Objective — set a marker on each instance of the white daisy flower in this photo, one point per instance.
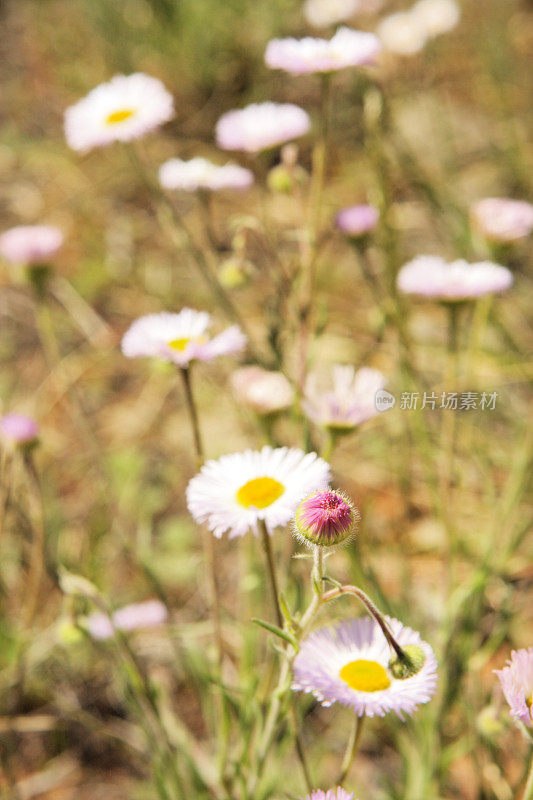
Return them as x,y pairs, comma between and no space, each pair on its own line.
351,663
125,108
402,33
351,402
199,173
180,338
235,492
347,48
432,276
261,126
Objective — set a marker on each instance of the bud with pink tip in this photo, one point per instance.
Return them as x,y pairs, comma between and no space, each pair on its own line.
357,221
19,429
326,518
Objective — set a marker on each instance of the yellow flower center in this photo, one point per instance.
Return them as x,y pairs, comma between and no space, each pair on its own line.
181,344
365,676
260,492
119,116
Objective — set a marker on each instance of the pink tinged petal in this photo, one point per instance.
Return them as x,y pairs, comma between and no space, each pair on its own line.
19,428
30,244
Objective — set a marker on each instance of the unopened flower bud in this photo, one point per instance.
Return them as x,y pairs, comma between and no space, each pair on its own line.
403,668
326,518
234,273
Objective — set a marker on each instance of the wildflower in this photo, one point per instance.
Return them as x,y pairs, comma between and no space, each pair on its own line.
349,664
180,338
516,680
432,276
260,126
351,402
199,173
437,16
502,220
356,221
326,518
263,391
149,614
332,794
125,108
347,48
30,244
402,33
237,491
18,428
322,13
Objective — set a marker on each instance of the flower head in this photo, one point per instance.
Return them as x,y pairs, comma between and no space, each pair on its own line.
322,13
432,276
301,56
351,402
261,126
402,33
149,614
356,221
349,664
326,518
263,391
199,173
18,428
236,492
332,794
437,16
516,679
125,108
30,244
180,338
503,220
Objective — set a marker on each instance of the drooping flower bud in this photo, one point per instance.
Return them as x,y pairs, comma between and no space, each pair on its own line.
326,518
401,669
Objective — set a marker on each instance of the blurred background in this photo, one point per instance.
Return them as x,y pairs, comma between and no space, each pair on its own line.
115,452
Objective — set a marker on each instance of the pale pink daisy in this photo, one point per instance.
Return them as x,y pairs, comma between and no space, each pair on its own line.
260,126
432,276
263,391
199,173
502,220
180,338
351,663
326,518
347,48
18,428
351,402
236,492
436,16
402,33
148,614
30,244
332,794
357,221
125,108
516,679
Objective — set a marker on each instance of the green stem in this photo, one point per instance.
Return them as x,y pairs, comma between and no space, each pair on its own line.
271,568
528,791
185,373
351,748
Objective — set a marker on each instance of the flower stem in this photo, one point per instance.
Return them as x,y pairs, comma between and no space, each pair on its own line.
271,568
373,610
185,373
528,791
351,748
